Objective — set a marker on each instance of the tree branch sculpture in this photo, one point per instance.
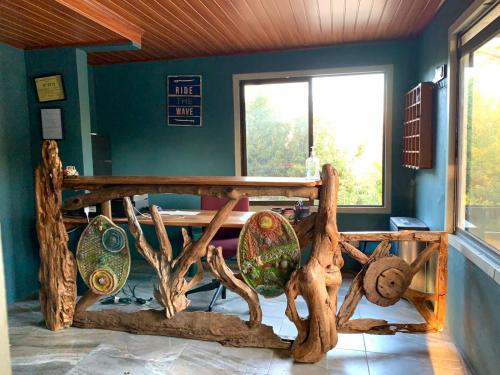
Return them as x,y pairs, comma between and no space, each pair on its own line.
384,279
215,261
319,280
57,272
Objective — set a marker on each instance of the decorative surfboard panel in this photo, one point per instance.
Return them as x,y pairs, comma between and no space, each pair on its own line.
268,253
103,256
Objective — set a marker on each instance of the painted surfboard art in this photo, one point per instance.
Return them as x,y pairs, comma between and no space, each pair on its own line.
268,253
103,256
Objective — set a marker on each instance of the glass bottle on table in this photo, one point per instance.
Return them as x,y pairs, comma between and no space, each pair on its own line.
312,166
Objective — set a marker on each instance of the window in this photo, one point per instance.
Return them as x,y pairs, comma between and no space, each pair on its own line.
478,198
342,115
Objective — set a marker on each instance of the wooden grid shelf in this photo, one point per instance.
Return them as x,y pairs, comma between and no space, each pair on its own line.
417,127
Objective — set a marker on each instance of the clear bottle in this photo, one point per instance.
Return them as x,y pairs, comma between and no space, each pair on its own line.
312,166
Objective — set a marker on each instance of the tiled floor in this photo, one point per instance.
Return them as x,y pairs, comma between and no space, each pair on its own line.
36,350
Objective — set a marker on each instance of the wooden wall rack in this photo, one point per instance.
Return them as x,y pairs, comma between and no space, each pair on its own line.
383,279
417,127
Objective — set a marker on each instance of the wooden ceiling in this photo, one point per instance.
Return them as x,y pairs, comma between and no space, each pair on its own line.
172,29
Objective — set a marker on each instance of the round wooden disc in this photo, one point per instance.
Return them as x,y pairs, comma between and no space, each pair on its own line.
390,283
386,280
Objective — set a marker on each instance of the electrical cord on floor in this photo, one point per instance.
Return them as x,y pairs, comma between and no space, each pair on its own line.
130,297
115,299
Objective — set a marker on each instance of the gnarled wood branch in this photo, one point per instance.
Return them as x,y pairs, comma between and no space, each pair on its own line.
57,272
159,260
305,230
172,272
318,281
356,290
354,252
218,266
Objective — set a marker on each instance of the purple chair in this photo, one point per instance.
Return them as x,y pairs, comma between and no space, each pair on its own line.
227,238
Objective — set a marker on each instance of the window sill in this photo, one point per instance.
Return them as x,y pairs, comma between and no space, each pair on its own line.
483,258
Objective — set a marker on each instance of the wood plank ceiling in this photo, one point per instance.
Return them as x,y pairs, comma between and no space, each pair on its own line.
190,28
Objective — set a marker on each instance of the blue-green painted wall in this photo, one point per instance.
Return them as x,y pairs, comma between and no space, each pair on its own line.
131,107
472,314
20,253
473,297
430,185
76,148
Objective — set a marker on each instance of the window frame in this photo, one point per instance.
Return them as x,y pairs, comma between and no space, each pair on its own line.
307,75
474,31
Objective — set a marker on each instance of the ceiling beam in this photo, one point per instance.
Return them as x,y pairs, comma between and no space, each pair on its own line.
98,13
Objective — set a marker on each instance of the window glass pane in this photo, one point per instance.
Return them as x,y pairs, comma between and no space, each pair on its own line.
277,130
480,179
348,128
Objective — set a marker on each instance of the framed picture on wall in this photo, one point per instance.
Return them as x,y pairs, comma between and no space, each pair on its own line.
184,100
49,88
52,123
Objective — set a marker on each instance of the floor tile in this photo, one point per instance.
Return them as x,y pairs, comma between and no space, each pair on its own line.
338,361
432,344
412,364
351,341
105,360
207,356
36,350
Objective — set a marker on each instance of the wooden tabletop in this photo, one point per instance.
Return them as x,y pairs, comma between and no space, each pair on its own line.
236,219
191,180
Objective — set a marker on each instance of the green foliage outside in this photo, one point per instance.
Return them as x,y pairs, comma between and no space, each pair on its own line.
482,125
276,148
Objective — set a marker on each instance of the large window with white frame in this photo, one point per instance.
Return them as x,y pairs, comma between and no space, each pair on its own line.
478,198
342,114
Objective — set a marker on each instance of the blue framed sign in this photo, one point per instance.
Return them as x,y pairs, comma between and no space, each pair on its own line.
184,100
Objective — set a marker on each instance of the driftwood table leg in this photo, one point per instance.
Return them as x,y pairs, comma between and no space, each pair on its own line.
57,264
319,280
171,272
218,266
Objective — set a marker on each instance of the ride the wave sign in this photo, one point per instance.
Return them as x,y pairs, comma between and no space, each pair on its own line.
184,100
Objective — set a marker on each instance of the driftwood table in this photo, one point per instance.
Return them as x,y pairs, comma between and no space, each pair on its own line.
383,278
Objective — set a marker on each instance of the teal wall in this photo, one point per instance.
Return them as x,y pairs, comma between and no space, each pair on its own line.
76,148
473,296
131,108
430,185
20,254
472,314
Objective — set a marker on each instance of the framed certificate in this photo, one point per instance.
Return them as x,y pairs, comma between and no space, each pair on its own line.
49,88
52,124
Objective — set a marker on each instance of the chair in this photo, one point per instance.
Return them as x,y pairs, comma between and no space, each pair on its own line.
227,238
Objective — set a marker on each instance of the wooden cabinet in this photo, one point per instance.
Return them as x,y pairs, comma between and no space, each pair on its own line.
417,127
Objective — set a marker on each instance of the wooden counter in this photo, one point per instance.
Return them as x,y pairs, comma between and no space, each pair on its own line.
90,182
235,219
106,188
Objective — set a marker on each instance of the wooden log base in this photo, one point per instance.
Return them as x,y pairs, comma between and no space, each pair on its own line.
225,329
382,327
